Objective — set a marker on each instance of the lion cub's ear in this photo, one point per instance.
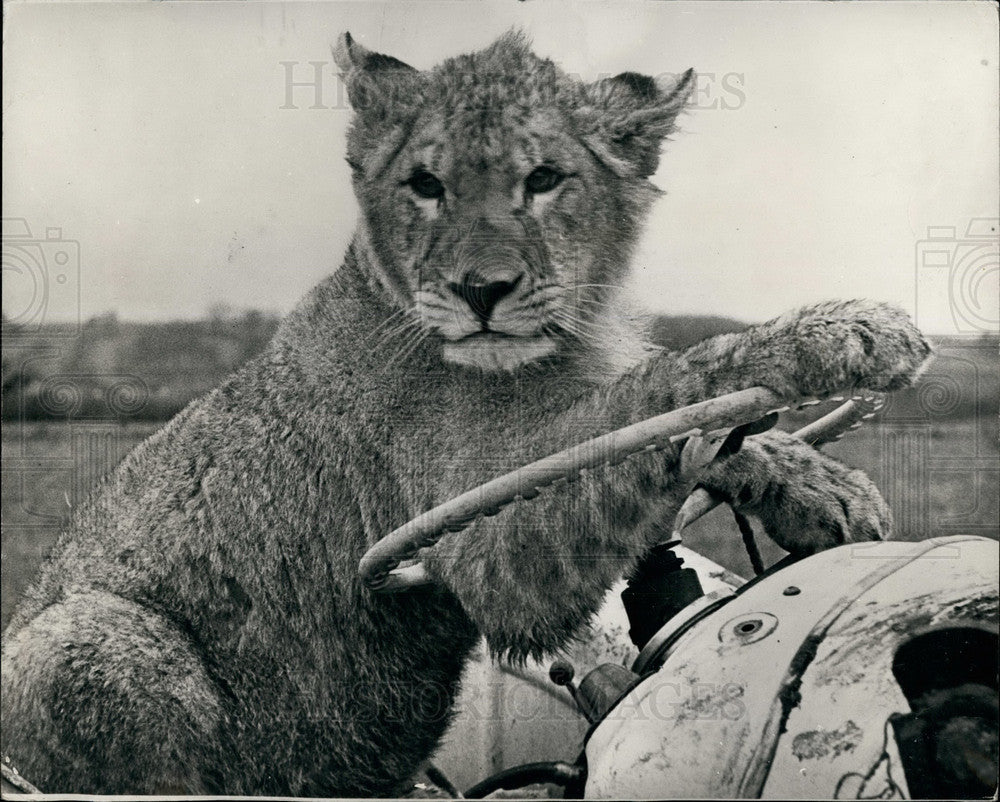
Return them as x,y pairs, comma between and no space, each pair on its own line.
627,117
375,82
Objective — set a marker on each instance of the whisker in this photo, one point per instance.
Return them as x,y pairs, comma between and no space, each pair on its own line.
580,316
407,350
391,319
406,329
395,331
584,319
390,328
598,308
573,326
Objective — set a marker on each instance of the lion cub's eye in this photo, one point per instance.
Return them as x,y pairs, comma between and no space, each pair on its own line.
542,179
426,185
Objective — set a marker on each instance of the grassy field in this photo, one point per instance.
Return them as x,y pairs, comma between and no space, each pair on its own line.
933,451
47,467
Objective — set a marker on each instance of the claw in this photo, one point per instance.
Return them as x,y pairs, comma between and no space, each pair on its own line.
699,451
695,505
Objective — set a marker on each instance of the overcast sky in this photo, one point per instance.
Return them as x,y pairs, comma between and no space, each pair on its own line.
827,139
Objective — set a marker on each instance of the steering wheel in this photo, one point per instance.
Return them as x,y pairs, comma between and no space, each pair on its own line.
699,430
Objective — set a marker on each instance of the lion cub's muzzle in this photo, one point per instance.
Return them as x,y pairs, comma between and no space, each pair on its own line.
490,300
483,296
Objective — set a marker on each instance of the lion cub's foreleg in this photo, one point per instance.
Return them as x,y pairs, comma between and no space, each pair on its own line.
532,576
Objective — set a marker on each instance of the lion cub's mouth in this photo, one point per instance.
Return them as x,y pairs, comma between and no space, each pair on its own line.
496,351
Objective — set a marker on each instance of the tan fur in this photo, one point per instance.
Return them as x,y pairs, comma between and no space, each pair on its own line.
201,624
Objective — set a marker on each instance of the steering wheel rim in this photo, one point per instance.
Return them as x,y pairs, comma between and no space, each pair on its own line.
380,566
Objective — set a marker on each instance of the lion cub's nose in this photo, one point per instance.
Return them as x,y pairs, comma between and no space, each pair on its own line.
482,297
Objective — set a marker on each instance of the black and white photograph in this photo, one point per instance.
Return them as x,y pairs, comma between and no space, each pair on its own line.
507,399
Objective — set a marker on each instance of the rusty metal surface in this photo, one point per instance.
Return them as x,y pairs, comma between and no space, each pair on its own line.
721,717
838,742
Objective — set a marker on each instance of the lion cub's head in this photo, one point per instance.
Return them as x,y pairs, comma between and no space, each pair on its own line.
499,196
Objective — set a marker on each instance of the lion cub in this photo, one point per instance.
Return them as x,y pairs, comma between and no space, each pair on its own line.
201,626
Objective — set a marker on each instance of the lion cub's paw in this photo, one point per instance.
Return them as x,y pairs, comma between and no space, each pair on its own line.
853,344
806,501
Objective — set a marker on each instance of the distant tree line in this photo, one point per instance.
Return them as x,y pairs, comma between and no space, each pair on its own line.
111,369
